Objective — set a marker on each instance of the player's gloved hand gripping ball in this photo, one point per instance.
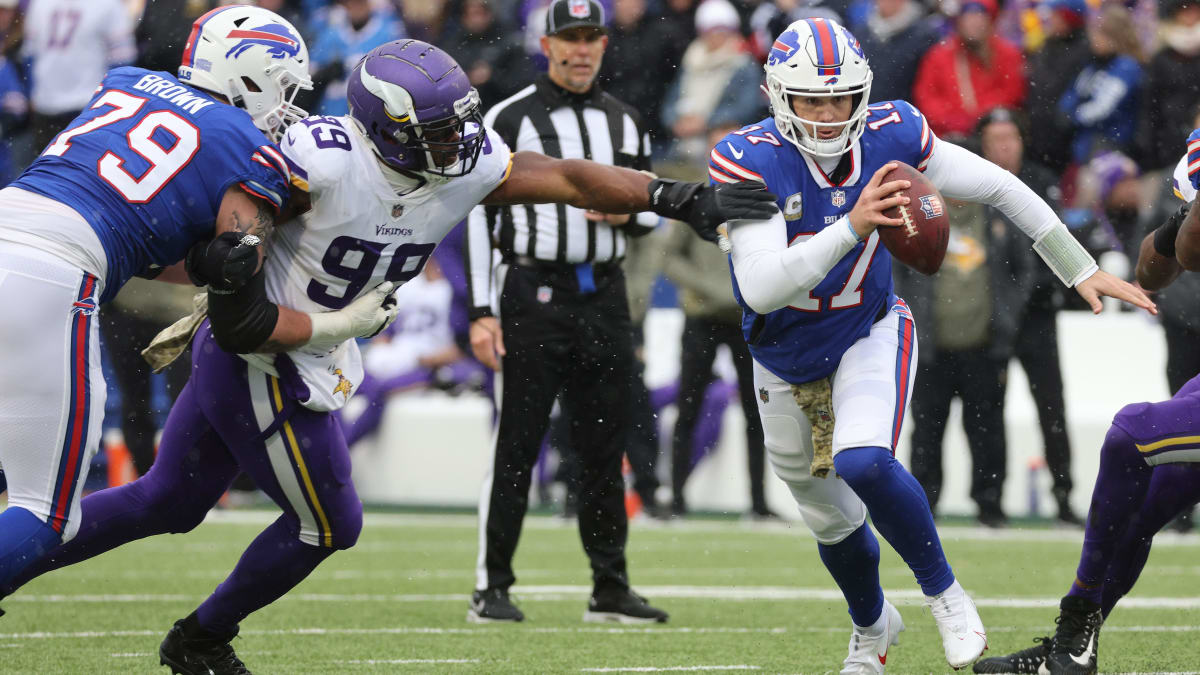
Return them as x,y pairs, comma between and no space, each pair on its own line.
704,207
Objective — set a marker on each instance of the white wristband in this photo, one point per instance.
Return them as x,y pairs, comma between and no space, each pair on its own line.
1065,256
330,327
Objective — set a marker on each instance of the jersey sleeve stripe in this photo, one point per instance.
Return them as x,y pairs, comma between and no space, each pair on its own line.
261,192
261,160
1193,145
720,177
732,168
277,158
1193,166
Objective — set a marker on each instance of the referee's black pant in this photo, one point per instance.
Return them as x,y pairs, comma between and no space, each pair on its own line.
567,331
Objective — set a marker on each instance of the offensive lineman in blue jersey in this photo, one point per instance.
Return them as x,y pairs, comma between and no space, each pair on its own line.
135,183
833,345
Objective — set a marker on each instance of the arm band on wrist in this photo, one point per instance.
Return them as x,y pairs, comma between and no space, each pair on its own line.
1065,256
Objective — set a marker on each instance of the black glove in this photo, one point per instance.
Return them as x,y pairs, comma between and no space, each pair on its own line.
225,263
1164,236
704,207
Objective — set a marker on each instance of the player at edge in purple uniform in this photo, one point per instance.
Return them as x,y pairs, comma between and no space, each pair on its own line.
414,156
833,346
1148,471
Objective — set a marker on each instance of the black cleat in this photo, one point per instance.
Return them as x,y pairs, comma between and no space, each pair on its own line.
189,650
493,605
1077,641
1024,662
622,606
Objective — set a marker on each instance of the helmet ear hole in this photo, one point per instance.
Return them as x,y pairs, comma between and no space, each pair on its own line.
250,85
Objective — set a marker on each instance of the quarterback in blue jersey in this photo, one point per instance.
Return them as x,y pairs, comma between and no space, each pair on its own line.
156,169
833,346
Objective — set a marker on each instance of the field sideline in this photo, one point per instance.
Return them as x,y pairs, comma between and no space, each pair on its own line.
743,598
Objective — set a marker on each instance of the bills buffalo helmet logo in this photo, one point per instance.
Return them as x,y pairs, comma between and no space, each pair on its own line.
931,206
784,46
279,41
579,9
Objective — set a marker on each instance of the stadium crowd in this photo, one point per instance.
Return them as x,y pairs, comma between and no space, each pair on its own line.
1087,101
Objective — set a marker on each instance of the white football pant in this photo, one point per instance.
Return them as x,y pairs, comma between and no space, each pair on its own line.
871,389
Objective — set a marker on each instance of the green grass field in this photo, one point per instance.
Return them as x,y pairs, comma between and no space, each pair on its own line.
742,598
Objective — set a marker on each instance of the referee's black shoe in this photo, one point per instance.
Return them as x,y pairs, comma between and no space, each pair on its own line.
190,650
492,606
621,605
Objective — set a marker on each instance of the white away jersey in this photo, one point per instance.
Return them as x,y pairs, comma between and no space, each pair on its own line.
359,233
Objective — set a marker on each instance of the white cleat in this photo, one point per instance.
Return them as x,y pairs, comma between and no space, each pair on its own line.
869,646
963,635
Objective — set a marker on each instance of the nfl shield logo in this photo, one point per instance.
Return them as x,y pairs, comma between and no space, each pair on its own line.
543,294
397,210
764,395
838,198
580,9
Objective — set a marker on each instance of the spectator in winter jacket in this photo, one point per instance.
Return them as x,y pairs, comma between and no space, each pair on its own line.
1052,69
1100,107
1172,87
895,36
970,72
641,60
493,60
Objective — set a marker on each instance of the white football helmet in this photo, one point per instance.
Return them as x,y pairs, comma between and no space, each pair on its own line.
252,57
817,57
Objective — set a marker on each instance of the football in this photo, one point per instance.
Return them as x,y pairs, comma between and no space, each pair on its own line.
921,241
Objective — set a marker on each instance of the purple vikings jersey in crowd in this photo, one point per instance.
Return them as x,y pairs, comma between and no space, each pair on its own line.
805,342
147,163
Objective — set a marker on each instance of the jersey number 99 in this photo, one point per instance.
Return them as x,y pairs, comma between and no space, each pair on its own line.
354,261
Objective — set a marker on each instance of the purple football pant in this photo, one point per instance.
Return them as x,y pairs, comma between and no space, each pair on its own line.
232,417
1148,474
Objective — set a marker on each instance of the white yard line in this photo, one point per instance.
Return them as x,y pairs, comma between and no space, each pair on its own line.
550,593
469,522
669,669
567,630
401,662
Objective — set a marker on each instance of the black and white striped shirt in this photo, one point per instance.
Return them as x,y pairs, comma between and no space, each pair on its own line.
547,119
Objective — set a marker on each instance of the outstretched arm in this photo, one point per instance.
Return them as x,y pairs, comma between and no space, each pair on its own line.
537,179
961,174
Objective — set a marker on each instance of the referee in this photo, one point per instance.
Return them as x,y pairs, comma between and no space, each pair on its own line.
564,325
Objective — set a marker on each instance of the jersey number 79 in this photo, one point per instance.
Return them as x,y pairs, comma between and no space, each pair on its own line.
164,162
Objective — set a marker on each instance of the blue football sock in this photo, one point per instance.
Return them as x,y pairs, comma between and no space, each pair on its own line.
24,539
899,511
854,564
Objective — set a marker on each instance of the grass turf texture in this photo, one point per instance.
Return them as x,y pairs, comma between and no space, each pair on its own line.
748,599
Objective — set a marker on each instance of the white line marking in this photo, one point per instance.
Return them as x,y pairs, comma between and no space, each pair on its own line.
615,630
786,528
671,668
552,593
397,662
130,655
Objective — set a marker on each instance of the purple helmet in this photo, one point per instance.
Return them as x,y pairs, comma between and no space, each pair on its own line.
417,107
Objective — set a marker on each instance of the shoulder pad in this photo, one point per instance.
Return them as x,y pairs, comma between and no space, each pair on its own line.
318,151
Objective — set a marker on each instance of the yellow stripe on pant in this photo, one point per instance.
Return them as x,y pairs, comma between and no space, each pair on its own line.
289,439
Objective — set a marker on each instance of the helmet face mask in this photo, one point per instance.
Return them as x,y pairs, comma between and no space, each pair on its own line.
416,106
252,57
818,58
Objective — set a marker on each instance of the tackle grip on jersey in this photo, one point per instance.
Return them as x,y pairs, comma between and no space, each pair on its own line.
224,263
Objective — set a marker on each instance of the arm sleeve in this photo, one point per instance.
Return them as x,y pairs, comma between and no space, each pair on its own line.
770,274
961,174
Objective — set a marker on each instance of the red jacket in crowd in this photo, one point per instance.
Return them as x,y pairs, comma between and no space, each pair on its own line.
954,88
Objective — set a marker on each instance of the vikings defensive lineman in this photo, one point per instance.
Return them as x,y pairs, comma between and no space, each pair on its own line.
833,346
386,184
132,184
1149,471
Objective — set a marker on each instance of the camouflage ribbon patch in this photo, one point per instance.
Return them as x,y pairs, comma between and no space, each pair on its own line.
816,400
